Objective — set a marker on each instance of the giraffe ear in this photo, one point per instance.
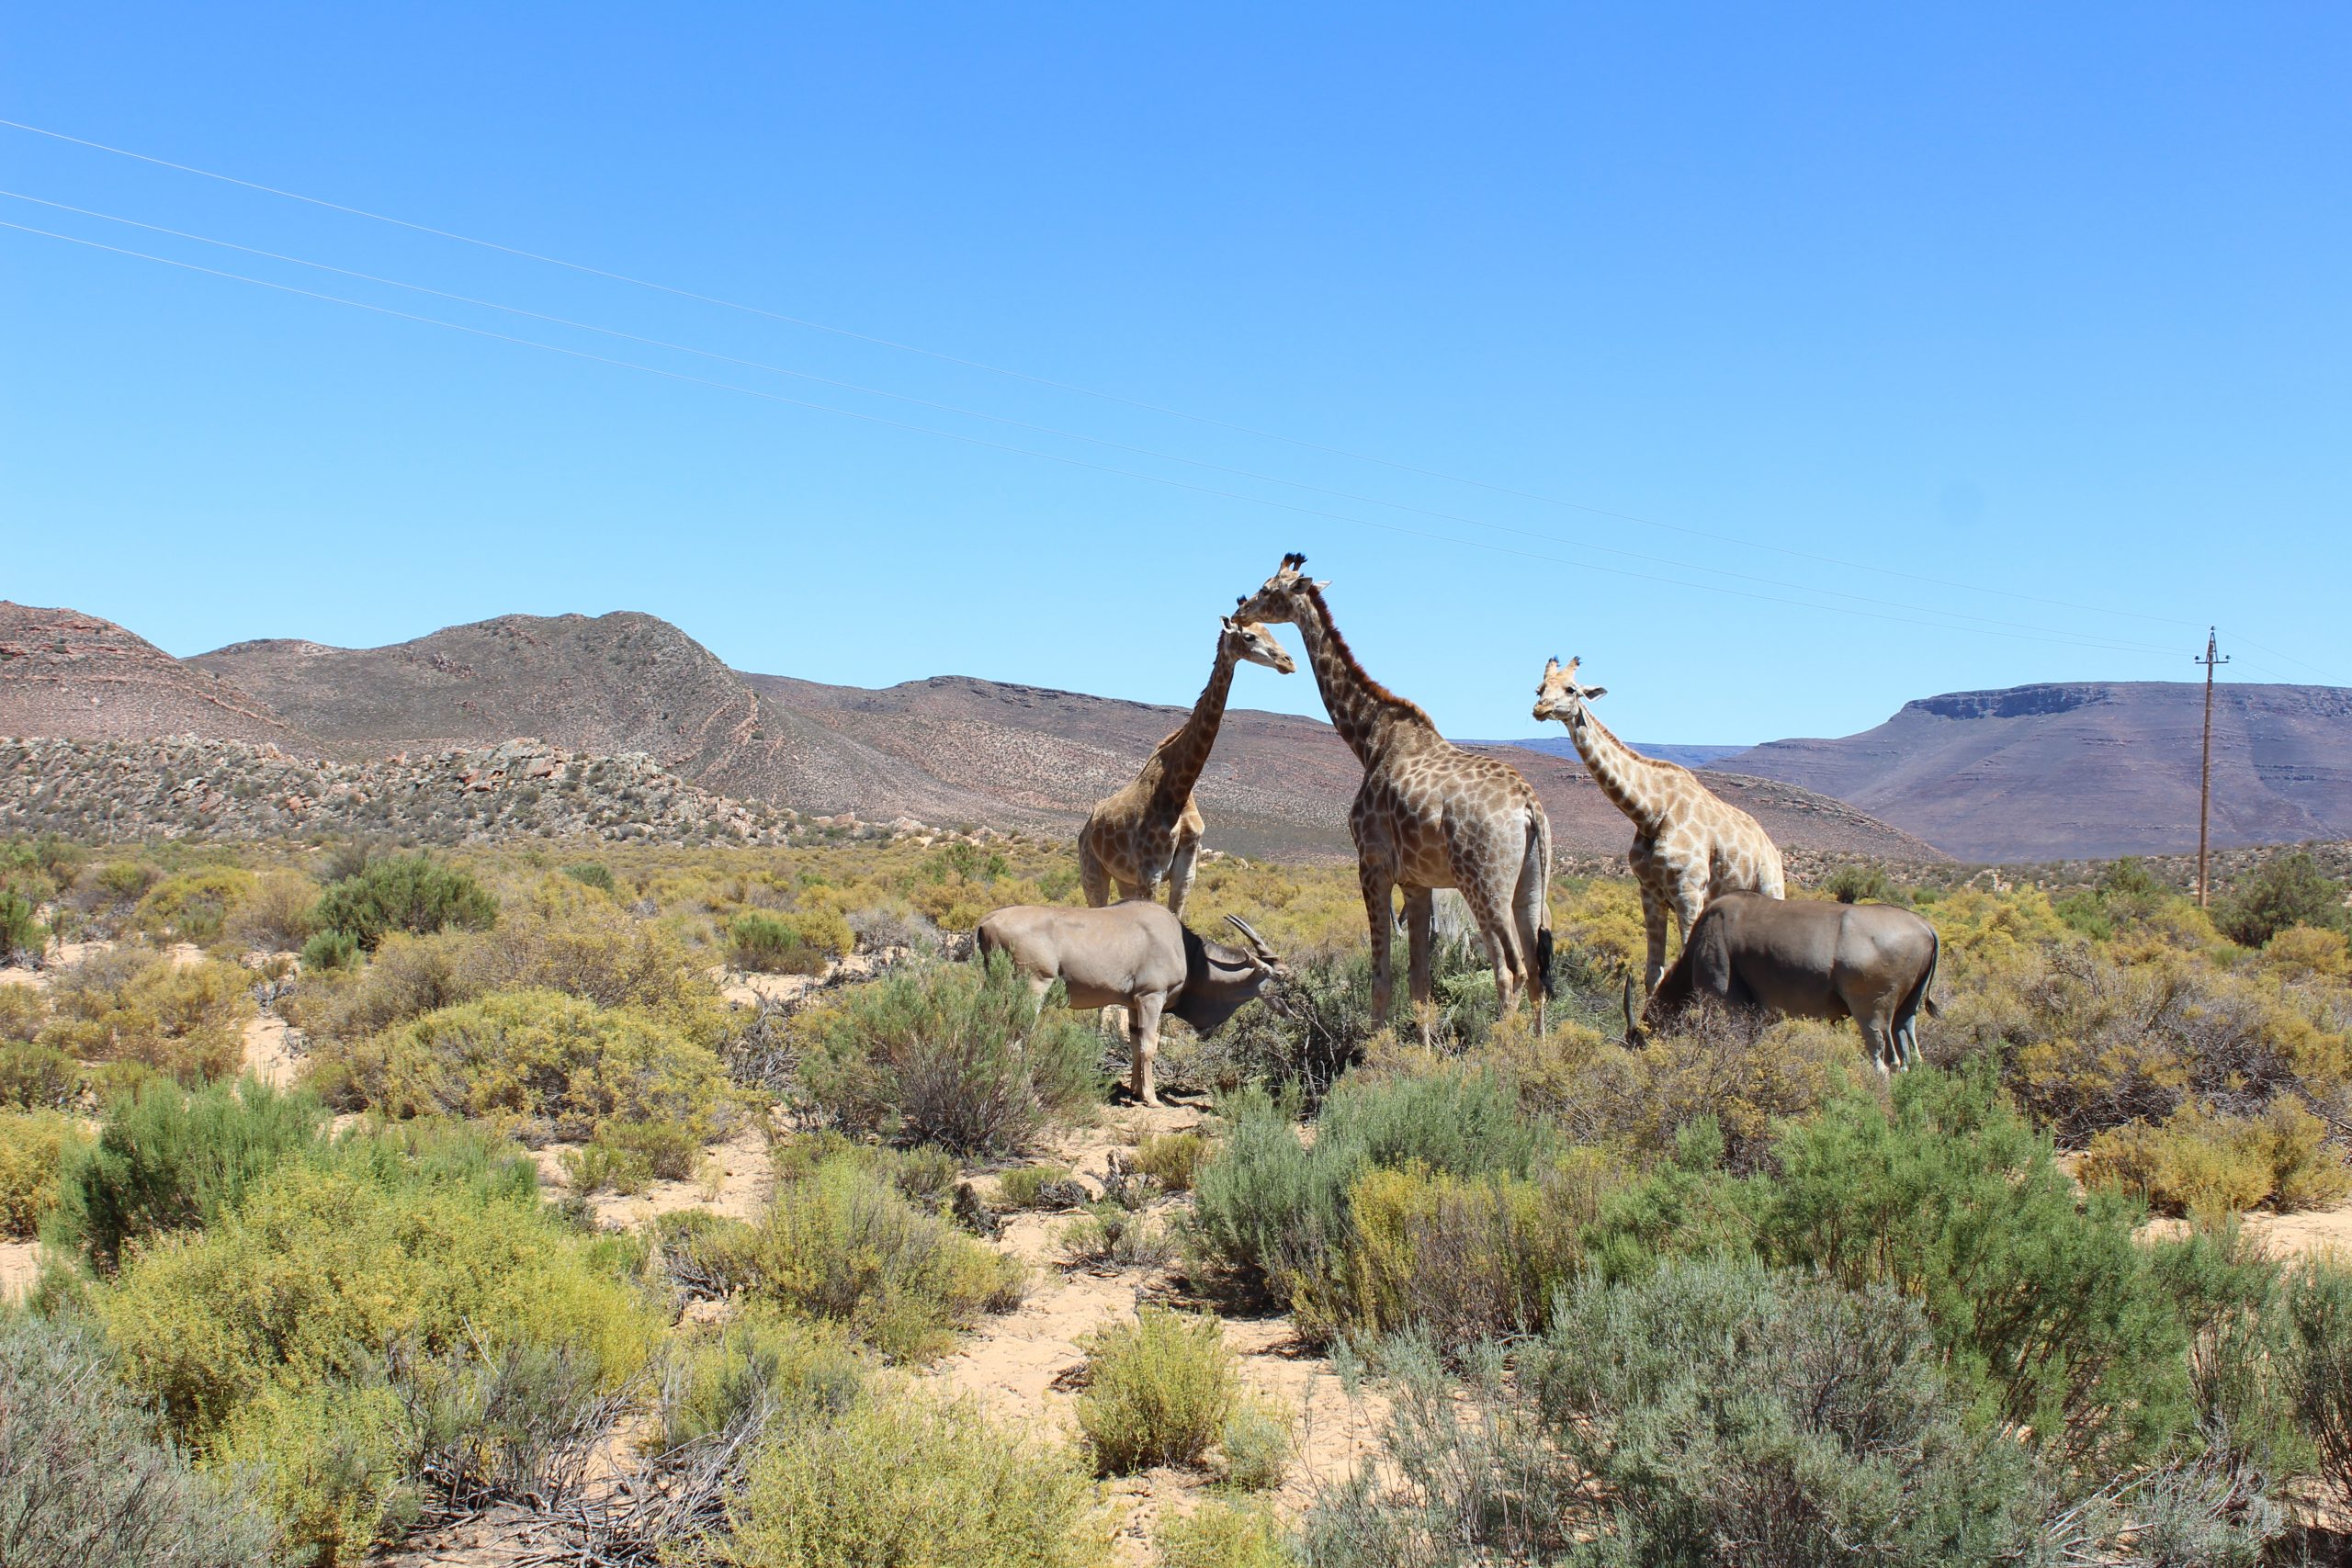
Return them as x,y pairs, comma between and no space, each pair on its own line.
1592,691
1227,621
1322,585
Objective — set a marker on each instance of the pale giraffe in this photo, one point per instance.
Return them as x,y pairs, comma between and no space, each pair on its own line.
1151,830
1688,845
1428,814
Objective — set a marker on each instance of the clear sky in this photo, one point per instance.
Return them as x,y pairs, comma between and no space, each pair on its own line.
2046,307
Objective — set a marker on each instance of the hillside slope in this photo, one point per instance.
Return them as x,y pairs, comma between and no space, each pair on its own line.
946,751
78,677
2089,769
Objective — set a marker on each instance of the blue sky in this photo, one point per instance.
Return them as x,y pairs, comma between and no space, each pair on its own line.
2043,305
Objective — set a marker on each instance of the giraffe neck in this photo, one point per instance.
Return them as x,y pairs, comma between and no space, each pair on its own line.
1632,782
1183,754
1368,716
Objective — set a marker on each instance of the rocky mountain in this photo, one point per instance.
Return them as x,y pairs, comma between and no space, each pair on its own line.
62,673
2089,769
948,751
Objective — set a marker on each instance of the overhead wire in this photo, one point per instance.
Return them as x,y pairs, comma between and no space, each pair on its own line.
2055,640
1051,429
806,322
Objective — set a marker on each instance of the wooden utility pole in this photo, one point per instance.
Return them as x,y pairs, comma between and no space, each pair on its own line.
2205,781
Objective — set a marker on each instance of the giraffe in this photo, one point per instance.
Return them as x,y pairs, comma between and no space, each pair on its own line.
1151,830
1688,845
1428,814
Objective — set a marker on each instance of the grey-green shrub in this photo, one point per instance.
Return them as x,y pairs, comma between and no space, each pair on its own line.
959,1055
85,1482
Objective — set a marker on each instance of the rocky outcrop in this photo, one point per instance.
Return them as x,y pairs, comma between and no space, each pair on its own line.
192,788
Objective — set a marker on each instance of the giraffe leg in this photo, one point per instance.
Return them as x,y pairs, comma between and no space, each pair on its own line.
1532,915
1418,911
1689,895
1377,886
1654,917
1496,923
1092,875
1180,876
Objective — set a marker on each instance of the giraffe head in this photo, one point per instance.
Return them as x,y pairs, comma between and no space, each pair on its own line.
1249,640
1283,598
1560,696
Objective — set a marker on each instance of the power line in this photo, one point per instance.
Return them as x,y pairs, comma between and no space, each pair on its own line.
1050,430
1051,457
1084,390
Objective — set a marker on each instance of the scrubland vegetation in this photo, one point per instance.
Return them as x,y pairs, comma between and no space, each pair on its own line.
1724,1300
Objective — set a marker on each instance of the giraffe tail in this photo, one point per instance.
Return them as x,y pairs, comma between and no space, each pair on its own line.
1544,961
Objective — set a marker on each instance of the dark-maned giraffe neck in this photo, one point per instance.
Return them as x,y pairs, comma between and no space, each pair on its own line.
1183,755
1368,716
1637,785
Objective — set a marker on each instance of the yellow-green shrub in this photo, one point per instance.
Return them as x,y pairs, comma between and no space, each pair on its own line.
715,1373
193,906
536,1056
1466,1258
1218,1534
1028,1185
2201,1163
33,1146
131,1005
907,1477
2302,953
842,1243
261,1336
1157,1391
1171,1159
274,914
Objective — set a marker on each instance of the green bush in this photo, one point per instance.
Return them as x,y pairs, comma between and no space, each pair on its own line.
1282,1213
788,944
263,1336
597,1167
1111,1235
961,1054
166,1161
2318,1301
2196,1163
84,1481
904,1476
532,1057
1157,1391
133,1006
193,906
2289,891
839,1244
1219,1534
22,936
330,951
275,915
34,1147
1863,883
406,893
591,873
2047,1313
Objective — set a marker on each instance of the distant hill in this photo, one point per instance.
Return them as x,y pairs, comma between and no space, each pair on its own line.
952,750
2089,769
1689,756
66,673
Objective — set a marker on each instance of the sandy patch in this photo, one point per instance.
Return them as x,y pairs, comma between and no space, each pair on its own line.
742,1172
19,1267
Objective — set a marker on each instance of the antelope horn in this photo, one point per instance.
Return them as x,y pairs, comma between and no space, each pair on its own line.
1255,941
